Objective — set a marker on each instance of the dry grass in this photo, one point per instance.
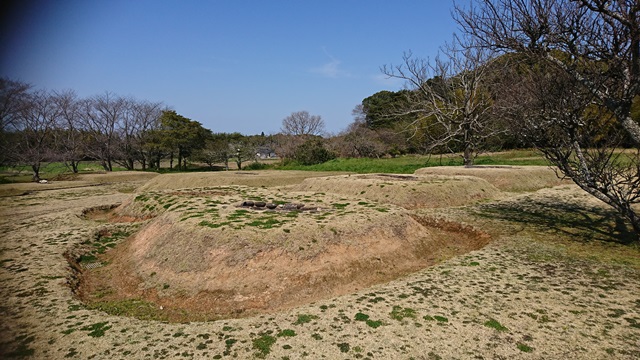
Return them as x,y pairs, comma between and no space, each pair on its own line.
505,178
555,282
407,191
76,181
268,178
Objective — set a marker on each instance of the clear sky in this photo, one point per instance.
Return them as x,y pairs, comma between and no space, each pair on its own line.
234,65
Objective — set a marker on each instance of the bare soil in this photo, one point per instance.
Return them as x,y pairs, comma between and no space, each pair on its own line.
559,277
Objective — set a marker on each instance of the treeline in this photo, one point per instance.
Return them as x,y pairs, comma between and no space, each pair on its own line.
38,126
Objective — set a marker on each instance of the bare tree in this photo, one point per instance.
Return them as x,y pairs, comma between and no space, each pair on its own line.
358,140
450,98
12,94
33,129
146,115
215,151
302,123
12,99
69,135
242,150
578,73
101,115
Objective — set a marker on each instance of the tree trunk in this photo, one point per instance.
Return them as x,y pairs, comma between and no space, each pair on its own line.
632,128
467,158
634,219
36,172
73,165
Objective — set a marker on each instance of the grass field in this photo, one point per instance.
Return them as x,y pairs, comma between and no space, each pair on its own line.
410,163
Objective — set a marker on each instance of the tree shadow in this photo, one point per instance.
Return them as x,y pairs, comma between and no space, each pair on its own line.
579,222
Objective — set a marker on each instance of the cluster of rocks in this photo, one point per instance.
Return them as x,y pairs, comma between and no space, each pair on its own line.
261,205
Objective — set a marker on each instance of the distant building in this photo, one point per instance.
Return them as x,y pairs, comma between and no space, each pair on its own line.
266,153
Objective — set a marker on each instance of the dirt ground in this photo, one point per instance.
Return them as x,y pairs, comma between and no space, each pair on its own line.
559,278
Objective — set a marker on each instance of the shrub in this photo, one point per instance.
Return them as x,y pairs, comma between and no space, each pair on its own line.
312,152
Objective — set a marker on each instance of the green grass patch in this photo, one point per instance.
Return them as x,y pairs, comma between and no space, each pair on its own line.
286,333
265,223
97,329
305,318
263,345
494,324
399,313
441,318
524,347
340,206
344,347
212,224
131,307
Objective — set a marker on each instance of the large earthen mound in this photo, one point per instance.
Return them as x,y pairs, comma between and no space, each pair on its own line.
205,256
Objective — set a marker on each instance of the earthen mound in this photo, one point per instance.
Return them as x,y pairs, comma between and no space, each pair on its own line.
505,178
208,255
267,178
408,191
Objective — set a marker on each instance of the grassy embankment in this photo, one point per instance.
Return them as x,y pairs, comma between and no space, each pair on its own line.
409,164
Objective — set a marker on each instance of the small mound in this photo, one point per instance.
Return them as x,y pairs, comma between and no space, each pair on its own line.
407,191
505,178
207,257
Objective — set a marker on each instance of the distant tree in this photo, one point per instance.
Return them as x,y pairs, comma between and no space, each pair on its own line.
243,149
12,98
146,115
301,123
101,115
312,151
216,150
70,136
358,140
181,136
450,100
385,109
222,147
33,128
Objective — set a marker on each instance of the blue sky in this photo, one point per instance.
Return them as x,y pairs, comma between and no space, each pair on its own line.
235,65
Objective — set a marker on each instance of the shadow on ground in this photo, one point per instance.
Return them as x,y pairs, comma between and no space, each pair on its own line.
578,222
